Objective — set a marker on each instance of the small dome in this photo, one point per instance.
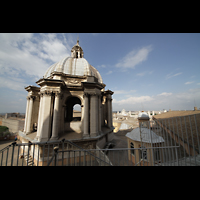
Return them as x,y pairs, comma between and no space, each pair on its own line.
144,135
75,65
143,115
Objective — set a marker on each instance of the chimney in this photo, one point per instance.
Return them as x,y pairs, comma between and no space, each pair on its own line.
195,108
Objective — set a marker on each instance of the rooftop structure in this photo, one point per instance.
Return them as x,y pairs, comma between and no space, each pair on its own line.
49,109
144,135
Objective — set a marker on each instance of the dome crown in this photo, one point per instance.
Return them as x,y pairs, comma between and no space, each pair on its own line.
74,65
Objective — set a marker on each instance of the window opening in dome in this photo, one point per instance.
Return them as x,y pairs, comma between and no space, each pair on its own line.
76,54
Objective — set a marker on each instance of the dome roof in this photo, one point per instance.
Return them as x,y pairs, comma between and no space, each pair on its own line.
74,65
147,136
143,115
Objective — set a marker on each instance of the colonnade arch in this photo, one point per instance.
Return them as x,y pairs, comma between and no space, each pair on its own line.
70,103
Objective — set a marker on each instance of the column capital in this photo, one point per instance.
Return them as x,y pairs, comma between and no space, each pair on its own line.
95,94
86,94
30,97
109,98
57,94
46,93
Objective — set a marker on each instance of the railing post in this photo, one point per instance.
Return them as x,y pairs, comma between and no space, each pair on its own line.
56,152
14,143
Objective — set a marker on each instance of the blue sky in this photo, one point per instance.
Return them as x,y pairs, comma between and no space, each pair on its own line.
147,71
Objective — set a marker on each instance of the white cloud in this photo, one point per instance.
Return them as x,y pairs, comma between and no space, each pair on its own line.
187,83
165,94
101,66
144,73
124,91
134,57
31,54
175,101
141,74
134,100
168,76
12,83
110,72
95,34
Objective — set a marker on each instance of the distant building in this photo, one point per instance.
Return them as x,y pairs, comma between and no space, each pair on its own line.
142,138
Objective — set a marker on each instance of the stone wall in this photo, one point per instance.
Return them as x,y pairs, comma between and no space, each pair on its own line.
14,125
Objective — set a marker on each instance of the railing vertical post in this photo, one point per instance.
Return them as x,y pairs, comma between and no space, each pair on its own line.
56,152
63,140
7,154
1,158
18,155
13,144
197,133
28,152
33,153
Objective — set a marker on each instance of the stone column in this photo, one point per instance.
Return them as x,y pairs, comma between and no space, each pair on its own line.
109,112
39,117
100,107
26,119
111,116
94,115
29,125
56,117
45,117
86,115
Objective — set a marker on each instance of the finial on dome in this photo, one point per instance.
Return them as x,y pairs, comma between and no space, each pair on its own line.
77,51
77,40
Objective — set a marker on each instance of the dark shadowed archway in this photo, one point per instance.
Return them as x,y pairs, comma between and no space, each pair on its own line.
70,102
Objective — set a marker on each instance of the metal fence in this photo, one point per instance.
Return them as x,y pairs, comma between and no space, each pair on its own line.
182,132
173,142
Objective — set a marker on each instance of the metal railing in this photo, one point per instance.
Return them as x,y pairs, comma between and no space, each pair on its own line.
182,131
32,154
77,158
173,142
114,157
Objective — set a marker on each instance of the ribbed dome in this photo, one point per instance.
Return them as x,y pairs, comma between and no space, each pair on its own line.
75,65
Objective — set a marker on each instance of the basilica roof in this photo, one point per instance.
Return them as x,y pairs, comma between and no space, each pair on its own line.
74,65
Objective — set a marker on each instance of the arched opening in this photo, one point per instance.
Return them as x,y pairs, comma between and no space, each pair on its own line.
76,112
71,114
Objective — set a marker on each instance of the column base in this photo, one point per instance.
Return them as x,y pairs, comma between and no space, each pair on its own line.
86,135
43,139
27,133
36,138
54,138
94,134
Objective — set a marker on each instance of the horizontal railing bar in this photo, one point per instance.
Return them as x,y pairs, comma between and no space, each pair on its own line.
76,150
120,149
